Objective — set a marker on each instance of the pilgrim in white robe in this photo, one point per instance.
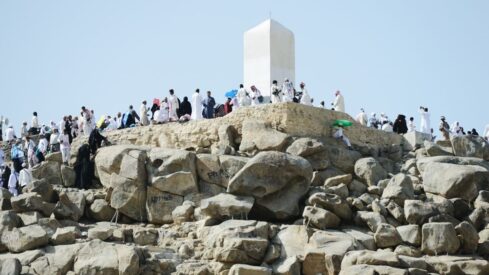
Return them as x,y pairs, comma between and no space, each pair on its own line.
411,126
143,115
173,107
275,94
362,118
425,122
255,93
305,99
242,97
339,103
196,106
339,135
288,91
486,132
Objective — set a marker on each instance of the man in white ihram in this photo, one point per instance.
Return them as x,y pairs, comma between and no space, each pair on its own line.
362,117
305,98
339,102
486,132
242,96
288,91
173,106
425,120
196,105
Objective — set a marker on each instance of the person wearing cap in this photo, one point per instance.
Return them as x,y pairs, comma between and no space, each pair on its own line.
339,102
287,91
25,176
444,128
304,95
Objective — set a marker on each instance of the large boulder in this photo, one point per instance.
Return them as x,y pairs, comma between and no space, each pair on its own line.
227,205
439,238
236,241
25,238
128,196
276,180
304,147
230,166
259,136
172,171
343,158
399,189
100,210
108,161
106,258
331,202
418,212
454,181
5,199
48,170
31,202
470,146
160,205
68,175
370,171
71,205
457,265
43,188
320,218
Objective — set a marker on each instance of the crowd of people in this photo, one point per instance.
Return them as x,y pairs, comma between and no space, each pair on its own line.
33,143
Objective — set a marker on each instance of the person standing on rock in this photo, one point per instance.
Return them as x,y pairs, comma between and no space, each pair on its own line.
196,105
173,105
242,96
65,147
362,117
34,130
304,95
23,129
425,120
486,132
444,128
12,182
457,130
287,91
10,134
209,104
256,97
25,176
53,141
143,113
411,126
400,125
374,122
87,120
228,106
275,93
339,102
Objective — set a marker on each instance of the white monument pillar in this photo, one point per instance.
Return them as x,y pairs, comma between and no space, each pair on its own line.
269,54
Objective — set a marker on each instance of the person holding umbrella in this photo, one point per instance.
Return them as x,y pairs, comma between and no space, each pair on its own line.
339,126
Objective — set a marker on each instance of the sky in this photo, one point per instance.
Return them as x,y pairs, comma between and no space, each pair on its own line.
388,56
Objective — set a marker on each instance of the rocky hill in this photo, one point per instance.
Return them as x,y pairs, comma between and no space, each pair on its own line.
264,190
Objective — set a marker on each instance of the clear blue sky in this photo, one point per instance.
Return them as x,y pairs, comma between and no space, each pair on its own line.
386,56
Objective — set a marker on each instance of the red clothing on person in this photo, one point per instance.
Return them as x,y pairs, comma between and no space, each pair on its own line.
228,107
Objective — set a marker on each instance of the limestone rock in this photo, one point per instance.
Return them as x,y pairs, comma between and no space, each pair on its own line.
26,238
399,189
128,196
172,171
230,166
289,266
65,235
386,236
29,218
370,171
320,218
457,265
184,212
363,236
106,258
410,234
258,135
304,147
160,205
108,161
10,267
31,202
145,236
68,175
418,212
454,181
209,168
276,180
334,181
342,158
372,220
71,205
100,232
367,257
332,203
48,170
439,238
226,205
43,188
100,210
469,237
470,146
241,269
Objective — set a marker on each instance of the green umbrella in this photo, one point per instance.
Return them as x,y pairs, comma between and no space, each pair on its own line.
342,123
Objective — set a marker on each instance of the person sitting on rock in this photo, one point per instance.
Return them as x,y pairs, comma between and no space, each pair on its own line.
340,135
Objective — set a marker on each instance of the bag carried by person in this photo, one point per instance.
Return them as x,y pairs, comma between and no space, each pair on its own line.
260,99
